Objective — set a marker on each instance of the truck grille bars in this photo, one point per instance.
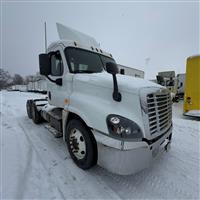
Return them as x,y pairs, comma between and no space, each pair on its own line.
159,111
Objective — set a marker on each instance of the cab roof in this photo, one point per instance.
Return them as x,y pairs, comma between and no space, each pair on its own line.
70,43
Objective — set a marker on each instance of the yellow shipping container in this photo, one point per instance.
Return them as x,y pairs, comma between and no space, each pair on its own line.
192,87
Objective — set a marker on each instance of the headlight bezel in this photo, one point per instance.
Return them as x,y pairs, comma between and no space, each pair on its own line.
126,129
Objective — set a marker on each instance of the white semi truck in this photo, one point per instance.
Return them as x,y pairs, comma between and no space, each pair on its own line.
117,121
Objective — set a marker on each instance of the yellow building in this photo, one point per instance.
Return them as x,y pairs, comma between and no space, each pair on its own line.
192,87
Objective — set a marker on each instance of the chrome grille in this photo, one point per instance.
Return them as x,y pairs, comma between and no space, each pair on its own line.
159,111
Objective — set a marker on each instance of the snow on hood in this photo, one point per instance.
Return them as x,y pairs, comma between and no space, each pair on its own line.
125,83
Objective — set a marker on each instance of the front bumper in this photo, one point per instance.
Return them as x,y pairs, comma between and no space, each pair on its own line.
126,158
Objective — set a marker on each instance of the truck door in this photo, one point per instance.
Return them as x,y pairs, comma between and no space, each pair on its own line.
58,95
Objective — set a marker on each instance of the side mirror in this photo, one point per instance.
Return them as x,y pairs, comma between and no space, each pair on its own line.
59,81
112,68
44,63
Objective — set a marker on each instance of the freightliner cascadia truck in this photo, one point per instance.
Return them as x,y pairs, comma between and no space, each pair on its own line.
116,121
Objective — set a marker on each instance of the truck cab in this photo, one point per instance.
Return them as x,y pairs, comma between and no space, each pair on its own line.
117,121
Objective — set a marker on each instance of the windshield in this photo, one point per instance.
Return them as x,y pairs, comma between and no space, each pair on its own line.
83,61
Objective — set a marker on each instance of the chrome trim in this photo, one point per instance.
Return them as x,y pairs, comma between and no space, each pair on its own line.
156,111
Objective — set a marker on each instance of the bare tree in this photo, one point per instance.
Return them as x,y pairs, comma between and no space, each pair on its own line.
18,79
5,79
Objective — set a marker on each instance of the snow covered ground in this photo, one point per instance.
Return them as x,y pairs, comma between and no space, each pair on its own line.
36,165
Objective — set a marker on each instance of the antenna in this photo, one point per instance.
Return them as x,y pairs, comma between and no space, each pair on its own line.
45,35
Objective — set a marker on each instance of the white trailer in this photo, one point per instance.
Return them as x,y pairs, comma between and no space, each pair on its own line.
42,86
120,122
21,88
31,86
129,71
37,86
13,87
180,81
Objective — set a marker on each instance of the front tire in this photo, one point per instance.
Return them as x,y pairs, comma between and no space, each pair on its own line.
81,144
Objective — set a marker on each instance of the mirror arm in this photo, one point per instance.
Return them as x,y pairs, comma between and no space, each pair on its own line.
57,81
116,95
50,79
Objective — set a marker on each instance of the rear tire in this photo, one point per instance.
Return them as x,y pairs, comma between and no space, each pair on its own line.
28,108
81,144
36,117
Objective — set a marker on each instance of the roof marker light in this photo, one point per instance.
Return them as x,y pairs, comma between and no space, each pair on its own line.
97,50
92,48
75,43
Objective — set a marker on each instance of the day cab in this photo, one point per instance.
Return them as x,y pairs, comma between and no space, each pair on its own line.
120,122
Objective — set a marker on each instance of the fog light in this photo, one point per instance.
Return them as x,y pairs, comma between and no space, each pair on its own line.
128,130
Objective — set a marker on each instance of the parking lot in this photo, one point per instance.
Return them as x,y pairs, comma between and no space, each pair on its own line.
37,165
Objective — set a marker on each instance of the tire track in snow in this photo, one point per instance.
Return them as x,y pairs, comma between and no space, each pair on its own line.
41,160
131,186
22,181
21,177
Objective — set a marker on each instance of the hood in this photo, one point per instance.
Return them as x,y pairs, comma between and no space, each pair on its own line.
125,83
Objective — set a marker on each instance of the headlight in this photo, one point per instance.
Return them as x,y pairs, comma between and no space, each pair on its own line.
122,127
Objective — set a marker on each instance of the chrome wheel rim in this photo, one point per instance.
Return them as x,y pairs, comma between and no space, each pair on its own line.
77,144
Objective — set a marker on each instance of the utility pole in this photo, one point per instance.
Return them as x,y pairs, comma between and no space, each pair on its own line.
45,35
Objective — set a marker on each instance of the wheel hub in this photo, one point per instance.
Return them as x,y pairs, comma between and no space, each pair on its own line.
77,144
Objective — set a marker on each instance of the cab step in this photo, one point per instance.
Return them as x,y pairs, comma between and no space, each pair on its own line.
56,133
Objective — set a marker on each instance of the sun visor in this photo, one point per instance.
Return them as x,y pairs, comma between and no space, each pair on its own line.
66,33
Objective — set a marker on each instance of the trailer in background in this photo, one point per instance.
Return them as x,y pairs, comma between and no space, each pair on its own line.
130,71
37,86
192,87
21,88
41,86
167,79
180,85
31,86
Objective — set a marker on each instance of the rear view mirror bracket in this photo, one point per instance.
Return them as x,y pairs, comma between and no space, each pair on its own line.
58,81
112,69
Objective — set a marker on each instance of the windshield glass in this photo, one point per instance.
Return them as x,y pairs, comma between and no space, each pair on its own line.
83,61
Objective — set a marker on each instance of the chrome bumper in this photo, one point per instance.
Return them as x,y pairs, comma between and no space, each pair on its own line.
129,157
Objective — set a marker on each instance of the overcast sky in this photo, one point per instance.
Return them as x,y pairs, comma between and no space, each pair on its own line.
151,36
